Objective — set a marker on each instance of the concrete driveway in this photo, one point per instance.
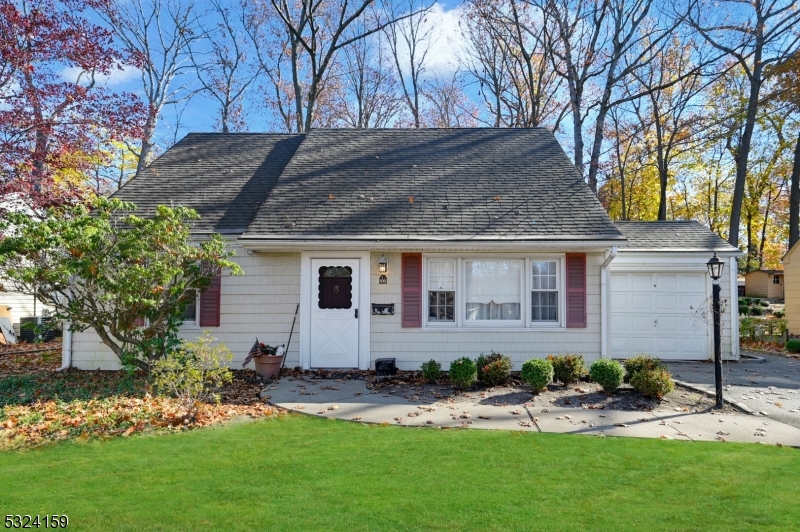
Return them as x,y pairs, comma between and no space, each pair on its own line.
767,384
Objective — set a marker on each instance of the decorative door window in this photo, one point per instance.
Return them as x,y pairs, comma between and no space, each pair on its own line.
335,287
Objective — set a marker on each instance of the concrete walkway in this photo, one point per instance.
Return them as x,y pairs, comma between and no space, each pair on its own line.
352,400
767,384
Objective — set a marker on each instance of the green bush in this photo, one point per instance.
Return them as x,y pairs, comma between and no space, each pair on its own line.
638,363
494,369
431,370
756,311
793,346
193,371
653,382
538,373
763,303
743,302
743,311
463,373
607,373
779,314
567,368
754,301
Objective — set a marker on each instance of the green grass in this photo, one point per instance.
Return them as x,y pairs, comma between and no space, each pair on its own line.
300,473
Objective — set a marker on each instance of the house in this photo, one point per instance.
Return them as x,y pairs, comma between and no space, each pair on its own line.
764,283
791,277
427,244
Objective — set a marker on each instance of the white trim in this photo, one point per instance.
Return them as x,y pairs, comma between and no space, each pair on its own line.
605,302
193,325
734,304
364,314
440,325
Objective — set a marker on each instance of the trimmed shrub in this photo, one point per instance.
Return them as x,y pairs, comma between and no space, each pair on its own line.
567,368
763,303
653,382
538,373
742,302
607,373
638,363
756,311
779,314
793,346
431,370
493,369
463,372
743,311
748,300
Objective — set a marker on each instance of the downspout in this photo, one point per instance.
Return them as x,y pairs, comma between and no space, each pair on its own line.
66,348
732,305
604,303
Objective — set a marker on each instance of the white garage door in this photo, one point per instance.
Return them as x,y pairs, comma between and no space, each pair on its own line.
653,313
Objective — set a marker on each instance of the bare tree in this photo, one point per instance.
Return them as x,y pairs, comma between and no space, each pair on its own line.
410,41
224,67
449,105
754,34
371,94
310,34
158,35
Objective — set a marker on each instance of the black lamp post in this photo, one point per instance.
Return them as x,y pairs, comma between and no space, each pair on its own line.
715,267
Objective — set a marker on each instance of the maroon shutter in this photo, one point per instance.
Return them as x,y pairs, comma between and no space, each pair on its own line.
138,322
209,303
412,290
576,290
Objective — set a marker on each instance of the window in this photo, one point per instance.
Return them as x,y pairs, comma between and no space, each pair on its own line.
493,290
191,313
544,290
776,279
442,291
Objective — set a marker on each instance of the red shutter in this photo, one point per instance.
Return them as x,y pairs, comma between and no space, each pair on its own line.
412,290
138,322
576,290
209,303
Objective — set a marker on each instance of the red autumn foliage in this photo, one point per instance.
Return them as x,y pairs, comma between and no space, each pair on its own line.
52,126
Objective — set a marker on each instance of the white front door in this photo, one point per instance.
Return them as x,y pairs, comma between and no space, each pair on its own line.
334,313
654,313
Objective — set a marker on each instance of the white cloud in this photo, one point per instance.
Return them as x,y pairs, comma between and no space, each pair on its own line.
117,76
445,40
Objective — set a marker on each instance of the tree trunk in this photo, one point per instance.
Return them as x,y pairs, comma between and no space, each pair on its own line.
794,197
743,153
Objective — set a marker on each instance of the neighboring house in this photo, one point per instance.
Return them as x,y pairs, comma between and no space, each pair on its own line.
764,283
791,277
490,238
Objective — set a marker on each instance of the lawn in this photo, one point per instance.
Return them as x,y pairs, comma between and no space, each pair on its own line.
301,473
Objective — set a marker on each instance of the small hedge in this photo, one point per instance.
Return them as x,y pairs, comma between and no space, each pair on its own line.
756,311
463,373
793,346
494,369
638,363
653,382
538,373
567,368
607,373
431,370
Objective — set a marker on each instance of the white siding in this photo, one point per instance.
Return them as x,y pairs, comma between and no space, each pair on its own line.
413,346
21,305
261,303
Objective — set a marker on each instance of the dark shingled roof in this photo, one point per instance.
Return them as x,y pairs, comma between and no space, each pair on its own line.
224,177
671,235
473,183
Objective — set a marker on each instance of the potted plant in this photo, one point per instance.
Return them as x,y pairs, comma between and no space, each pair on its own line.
268,359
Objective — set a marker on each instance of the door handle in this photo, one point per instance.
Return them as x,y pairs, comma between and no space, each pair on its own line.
356,313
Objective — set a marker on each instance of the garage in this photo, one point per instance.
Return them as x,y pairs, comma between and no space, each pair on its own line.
653,313
659,292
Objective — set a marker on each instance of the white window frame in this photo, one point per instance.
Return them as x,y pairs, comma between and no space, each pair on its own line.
196,323
525,322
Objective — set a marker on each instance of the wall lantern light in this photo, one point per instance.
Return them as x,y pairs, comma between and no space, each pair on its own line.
383,264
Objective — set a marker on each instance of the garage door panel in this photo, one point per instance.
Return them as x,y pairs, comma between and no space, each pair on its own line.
668,303
654,313
642,302
640,281
667,282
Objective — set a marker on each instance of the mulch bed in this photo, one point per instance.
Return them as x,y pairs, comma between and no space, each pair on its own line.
39,405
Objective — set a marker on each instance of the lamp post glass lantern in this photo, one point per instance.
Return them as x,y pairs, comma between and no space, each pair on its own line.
715,267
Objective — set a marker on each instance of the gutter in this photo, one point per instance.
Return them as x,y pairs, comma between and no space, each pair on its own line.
604,303
66,348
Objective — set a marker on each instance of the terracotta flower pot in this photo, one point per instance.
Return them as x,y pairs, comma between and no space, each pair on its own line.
268,366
